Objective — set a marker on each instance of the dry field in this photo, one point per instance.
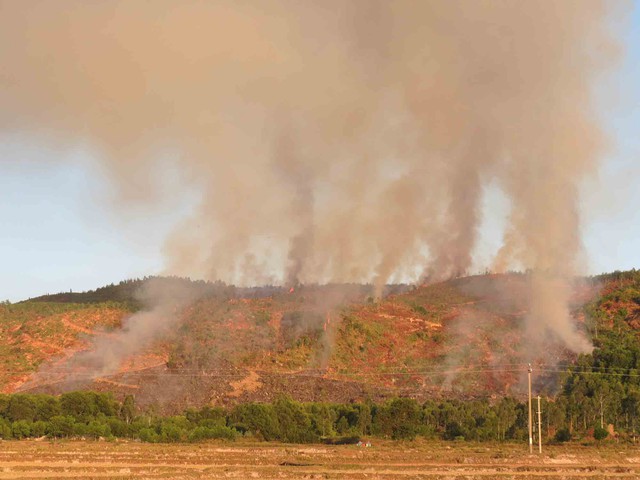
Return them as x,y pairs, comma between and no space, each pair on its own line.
385,460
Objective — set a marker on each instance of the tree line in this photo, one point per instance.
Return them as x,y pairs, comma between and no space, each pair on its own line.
99,415
94,415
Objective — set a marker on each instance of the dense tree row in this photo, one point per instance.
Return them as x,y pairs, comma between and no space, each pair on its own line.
88,414
93,415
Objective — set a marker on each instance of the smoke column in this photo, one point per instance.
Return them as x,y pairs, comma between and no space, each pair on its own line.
329,141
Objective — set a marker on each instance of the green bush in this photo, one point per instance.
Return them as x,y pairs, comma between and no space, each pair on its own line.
149,435
79,429
104,404
259,419
38,429
454,431
323,419
398,418
350,440
5,429
79,405
211,423
21,429
21,407
96,429
118,428
60,426
4,402
294,422
562,435
600,433
171,433
47,407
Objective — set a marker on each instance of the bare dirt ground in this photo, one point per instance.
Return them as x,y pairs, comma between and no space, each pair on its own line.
244,460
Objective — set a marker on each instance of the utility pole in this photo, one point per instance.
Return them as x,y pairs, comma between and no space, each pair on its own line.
530,416
539,427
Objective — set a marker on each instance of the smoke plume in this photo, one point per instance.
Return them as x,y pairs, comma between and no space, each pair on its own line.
163,301
328,141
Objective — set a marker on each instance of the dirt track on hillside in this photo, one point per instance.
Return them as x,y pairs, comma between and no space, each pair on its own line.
386,460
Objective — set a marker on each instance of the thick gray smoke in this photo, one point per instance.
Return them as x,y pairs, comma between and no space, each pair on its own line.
329,140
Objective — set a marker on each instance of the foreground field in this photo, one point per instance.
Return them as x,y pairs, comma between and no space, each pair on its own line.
128,460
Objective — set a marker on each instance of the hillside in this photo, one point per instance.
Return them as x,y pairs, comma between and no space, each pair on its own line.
458,338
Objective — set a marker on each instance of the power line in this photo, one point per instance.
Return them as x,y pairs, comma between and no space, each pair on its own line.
330,375
434,369
321,372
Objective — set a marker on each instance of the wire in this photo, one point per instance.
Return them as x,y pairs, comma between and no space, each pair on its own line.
332,375
304,373
327,375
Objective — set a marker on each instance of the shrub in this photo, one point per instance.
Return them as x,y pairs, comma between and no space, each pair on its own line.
38,429
21,407
563,435
85,405
105,404
118,427
5,429
149,435
79,405
172,433
349,440
294,422
4,402
60,426
398,418
259,419
79,429
96,430
600,433
21,429
212,423
454,431
47,407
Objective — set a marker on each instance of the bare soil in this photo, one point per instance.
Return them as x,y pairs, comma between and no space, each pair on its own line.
384,460
225,351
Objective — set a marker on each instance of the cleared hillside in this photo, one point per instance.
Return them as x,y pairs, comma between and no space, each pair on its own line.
333,343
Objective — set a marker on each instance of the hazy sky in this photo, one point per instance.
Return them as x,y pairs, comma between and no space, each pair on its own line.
57,232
